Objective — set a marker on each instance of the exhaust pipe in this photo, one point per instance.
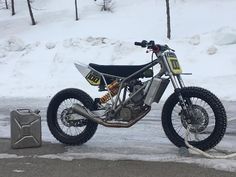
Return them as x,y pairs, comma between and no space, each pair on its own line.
91,116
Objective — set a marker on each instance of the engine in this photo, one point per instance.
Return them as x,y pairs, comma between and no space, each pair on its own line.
135,106
136,98
129,112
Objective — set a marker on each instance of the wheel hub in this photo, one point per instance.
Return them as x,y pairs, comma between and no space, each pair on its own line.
69,118
199,119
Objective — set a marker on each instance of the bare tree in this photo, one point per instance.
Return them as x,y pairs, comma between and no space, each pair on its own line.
6,4
13,7
31,13
168,19
76,11
105,4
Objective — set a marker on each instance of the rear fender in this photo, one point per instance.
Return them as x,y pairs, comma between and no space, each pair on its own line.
91,76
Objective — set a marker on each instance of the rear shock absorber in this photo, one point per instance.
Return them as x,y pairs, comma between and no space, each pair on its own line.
113,88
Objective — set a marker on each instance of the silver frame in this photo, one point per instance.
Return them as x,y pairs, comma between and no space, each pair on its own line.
161,59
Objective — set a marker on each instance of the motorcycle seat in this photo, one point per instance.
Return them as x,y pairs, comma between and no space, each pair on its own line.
118,70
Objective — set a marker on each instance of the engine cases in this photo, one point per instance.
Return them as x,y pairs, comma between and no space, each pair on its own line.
25,129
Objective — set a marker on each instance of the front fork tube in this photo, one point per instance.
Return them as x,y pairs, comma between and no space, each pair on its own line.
184,103
178,85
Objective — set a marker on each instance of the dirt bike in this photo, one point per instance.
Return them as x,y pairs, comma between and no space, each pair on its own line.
73,116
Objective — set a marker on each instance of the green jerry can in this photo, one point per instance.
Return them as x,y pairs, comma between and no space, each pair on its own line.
25,128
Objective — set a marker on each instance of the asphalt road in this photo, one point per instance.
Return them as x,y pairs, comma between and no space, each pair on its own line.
29,162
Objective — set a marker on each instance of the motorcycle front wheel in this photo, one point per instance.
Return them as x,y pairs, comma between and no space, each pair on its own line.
208,118
65,125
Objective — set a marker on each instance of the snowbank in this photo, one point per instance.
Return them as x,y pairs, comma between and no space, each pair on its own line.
225,36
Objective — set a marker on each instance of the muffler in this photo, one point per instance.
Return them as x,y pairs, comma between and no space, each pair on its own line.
86,113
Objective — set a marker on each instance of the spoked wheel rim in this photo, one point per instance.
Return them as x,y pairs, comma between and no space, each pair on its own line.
70,123
202,122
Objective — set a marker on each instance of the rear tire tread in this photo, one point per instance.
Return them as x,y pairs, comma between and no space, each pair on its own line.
91,126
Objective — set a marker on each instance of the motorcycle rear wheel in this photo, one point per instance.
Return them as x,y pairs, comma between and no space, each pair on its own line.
71,132
208,120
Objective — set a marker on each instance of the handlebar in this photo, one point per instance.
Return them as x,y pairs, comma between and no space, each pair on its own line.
142,44
153,46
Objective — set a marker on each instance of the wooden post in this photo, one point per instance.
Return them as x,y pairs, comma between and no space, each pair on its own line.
31,13
6,4
76,11
12,7
168,19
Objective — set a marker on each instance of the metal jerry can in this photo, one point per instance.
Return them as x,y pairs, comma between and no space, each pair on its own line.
25,129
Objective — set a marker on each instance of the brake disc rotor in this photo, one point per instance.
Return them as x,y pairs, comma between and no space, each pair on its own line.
199,119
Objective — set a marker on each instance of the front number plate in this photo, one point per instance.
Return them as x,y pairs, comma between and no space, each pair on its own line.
174,63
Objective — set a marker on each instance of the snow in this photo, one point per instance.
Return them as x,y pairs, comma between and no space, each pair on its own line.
50,45
18,171
14,44
49,49
9,156
195,40
225,36
38,61
212,50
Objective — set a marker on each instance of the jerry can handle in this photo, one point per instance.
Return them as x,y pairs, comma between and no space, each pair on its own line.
25,110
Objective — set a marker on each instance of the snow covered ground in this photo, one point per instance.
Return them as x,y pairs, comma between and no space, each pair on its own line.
37,61
41,57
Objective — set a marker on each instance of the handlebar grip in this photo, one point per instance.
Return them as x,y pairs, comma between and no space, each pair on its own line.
138,43
142,44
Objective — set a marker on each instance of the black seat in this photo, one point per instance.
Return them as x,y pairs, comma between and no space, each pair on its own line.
118,70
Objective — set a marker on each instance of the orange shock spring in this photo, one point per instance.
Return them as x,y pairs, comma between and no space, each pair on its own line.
113,88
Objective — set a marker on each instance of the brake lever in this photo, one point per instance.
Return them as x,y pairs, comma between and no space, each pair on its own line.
171,49
168,48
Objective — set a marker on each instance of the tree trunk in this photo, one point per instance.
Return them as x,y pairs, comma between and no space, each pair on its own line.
104,5
12,7
6,4
168,19
76,11
31,13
